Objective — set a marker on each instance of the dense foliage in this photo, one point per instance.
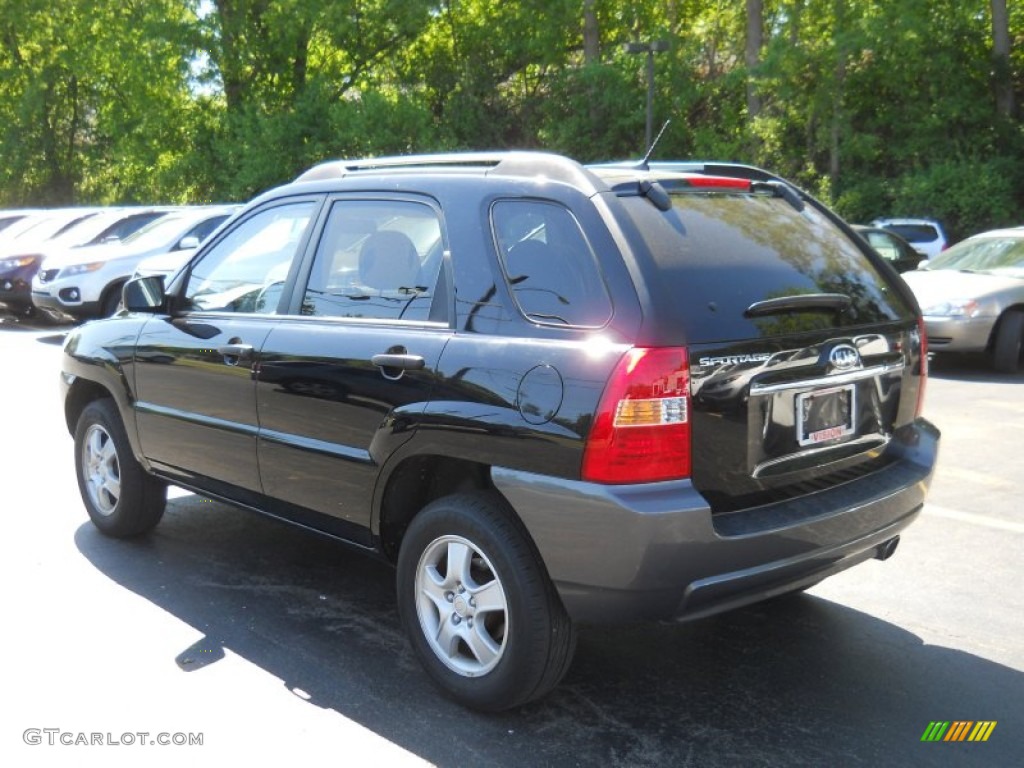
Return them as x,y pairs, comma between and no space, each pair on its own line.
882,107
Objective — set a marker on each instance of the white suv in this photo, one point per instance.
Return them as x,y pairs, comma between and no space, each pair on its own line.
925,235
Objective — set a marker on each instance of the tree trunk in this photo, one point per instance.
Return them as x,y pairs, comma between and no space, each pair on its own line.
591,34
1001,58
755,41
228,55
839,85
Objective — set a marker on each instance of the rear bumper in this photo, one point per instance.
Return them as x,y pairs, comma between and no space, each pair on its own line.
654,551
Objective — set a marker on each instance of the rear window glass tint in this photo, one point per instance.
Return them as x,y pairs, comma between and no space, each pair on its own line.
714,255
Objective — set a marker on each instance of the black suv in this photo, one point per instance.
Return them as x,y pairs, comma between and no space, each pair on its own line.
549,393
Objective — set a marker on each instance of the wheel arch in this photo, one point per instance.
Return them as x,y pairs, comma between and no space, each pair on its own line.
79,395
994,334
412,484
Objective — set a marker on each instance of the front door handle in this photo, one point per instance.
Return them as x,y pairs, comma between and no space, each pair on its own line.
235,353
401,362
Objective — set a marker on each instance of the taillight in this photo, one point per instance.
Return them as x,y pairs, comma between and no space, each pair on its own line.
923,379
641,432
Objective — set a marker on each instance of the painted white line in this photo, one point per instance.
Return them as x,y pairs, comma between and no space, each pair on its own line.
970,517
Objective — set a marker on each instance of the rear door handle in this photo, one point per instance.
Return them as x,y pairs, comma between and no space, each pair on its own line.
398,361
235,353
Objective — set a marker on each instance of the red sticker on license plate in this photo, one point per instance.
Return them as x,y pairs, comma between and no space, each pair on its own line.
825,414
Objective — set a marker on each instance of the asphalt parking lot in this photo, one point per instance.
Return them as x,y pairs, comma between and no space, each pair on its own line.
275,645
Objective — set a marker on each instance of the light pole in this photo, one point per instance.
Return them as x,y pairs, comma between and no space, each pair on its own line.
651,48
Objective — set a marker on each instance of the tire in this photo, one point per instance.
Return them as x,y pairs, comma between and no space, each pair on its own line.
1009,344
122,500
491,632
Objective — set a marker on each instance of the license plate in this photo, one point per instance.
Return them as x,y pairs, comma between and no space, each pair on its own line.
825,414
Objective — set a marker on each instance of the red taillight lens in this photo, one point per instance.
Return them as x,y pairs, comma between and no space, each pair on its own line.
923,380
641,431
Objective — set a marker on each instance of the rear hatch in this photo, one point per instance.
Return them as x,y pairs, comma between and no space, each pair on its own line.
805,352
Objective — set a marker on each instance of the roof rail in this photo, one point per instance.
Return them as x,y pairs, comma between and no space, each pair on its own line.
522,164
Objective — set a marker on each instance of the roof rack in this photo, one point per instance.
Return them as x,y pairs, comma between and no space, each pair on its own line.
513,163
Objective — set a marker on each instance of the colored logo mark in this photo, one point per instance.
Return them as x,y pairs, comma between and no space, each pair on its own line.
958,730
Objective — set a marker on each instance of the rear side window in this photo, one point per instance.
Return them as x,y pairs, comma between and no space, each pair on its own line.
715,255
548,264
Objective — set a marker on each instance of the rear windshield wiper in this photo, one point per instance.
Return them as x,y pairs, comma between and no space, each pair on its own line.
779,189
803,302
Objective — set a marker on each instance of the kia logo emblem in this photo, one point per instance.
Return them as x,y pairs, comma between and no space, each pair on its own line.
843,357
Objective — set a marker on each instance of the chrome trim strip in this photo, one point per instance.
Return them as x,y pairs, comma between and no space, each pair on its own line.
828,381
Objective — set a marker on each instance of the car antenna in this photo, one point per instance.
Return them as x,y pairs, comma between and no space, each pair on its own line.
650,151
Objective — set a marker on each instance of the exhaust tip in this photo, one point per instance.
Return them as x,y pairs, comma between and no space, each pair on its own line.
887,549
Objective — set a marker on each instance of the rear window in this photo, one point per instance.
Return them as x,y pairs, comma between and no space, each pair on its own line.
915,233
715,255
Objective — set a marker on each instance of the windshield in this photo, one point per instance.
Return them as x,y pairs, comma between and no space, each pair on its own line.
987,254
85,231
49,227
161,231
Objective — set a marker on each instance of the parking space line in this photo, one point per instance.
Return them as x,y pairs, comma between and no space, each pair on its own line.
971,517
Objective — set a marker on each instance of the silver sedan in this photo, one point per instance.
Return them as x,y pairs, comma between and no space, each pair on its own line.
972,297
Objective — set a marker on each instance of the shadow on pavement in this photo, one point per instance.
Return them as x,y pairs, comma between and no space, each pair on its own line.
970,367
798,681
53,333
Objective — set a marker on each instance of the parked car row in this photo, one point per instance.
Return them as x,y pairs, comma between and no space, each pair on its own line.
71,263
972,297
972,294
926,236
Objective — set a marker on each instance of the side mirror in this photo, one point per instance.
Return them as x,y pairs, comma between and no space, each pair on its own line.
145,294
188,243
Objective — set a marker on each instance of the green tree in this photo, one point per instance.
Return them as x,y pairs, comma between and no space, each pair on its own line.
79,123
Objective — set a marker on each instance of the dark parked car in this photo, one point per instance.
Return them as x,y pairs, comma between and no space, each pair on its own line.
891,247
490,369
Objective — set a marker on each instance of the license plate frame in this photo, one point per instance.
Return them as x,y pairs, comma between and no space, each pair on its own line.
825,415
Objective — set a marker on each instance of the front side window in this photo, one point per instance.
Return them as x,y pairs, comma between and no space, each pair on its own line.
377,259
203,229
548,264
246,270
